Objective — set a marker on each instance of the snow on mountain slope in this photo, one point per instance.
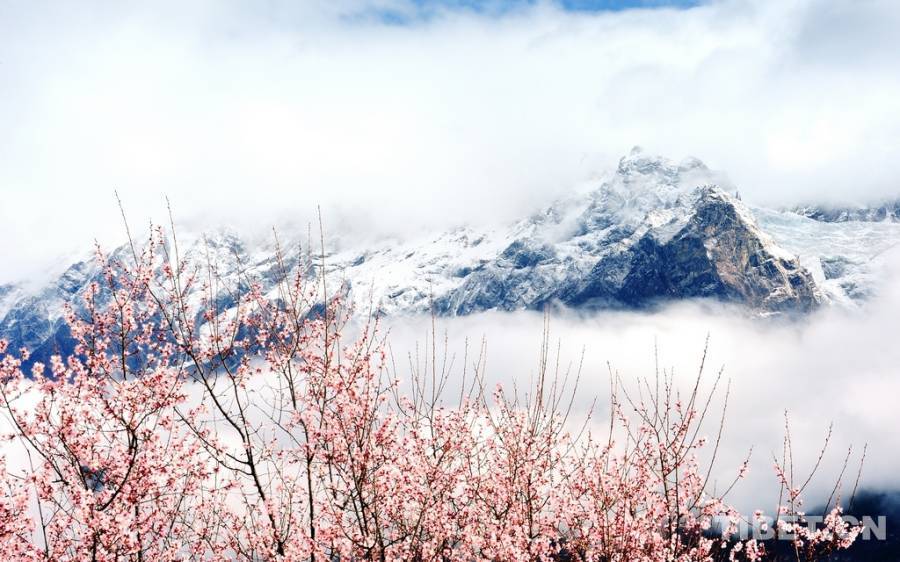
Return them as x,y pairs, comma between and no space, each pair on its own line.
846,258
886,211
578,251
650,231
405,275
9,295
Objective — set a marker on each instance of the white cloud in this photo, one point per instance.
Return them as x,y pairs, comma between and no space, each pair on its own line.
835,366
251,114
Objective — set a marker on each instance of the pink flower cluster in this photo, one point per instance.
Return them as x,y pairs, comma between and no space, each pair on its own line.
182,428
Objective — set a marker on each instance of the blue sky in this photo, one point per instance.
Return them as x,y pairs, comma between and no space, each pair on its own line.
573,5
424,9
601,5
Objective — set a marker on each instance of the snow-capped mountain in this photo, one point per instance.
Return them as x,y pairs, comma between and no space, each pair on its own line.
648,232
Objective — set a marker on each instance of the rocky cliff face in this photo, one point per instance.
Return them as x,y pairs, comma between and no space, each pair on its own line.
649,232
647,235
723,246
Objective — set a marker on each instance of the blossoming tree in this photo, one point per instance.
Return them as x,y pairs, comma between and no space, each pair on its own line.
196,421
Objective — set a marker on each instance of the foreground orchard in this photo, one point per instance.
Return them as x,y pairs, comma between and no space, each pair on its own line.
199,422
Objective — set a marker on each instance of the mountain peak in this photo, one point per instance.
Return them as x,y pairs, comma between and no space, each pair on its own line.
652,231
640,162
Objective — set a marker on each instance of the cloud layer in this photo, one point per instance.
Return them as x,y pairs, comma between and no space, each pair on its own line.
253,115
836,366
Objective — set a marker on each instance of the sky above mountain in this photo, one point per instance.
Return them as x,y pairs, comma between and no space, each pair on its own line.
417,10
397,115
